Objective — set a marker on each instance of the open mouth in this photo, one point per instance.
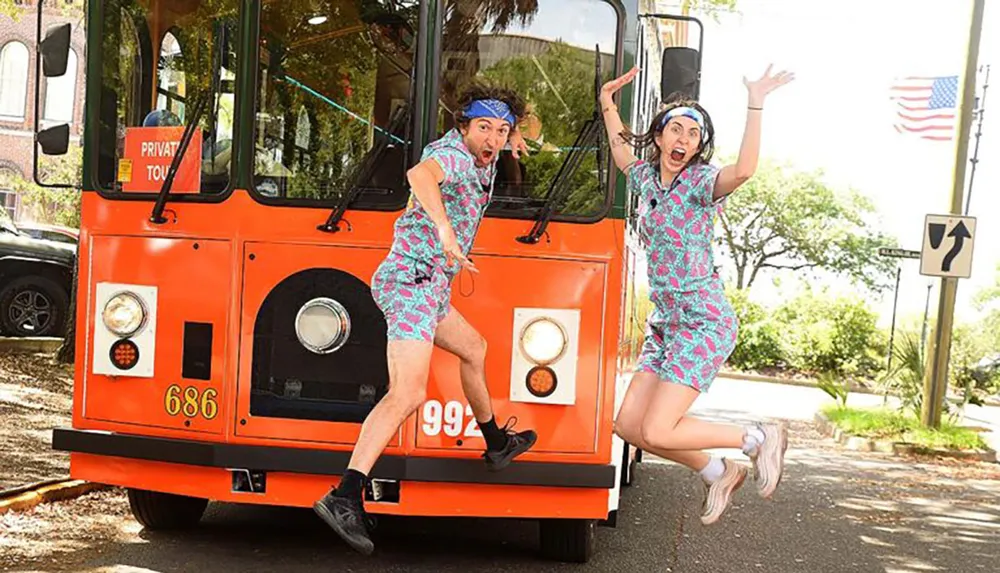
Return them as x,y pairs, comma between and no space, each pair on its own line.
487,155
678,154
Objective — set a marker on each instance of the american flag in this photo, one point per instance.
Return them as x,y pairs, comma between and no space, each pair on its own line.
926,106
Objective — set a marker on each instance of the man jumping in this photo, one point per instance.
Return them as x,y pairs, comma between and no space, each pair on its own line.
452,186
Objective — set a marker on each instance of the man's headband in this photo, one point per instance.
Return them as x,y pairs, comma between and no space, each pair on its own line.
491,108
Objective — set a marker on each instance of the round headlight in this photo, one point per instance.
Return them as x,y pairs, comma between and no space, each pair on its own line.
124,314
322,325
543,341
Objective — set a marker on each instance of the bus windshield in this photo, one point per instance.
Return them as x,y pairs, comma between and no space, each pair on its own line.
334,107
547,52
158,59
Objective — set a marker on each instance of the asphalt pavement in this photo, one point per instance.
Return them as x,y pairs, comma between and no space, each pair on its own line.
836,511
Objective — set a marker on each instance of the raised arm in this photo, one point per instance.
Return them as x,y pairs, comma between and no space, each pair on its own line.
733,175
623,156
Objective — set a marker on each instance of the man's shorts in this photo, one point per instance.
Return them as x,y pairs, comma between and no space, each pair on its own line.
689,336
413,296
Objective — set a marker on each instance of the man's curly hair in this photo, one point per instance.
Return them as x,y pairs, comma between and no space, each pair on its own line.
479,89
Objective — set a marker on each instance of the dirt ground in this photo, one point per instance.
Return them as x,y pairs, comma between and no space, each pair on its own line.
36,395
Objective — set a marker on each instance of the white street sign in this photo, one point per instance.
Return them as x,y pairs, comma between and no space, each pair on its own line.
947,246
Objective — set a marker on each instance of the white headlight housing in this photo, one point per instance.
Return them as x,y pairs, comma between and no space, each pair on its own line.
543,341
124,314
322,325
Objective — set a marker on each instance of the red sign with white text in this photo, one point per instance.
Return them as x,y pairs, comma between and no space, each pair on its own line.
149,152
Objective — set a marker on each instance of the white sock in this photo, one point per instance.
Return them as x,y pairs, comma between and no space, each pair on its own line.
713,472
752,439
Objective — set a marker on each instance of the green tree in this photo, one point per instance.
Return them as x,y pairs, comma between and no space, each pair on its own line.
54,206
831,334
988,300
786,219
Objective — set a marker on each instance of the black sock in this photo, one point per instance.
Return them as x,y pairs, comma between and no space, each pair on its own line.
351,485
496,439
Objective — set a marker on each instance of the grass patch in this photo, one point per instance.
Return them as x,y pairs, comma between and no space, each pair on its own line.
880,424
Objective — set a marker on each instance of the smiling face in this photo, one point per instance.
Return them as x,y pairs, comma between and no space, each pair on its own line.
485,137
679,142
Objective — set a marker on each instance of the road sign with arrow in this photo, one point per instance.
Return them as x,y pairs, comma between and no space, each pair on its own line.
947,248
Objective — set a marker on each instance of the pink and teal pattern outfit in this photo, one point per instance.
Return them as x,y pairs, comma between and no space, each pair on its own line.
692,329
412,286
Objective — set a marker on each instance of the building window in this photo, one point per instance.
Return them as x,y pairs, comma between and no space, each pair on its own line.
60,94
13,79
8,202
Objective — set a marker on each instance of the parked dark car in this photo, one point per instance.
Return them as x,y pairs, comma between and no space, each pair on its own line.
36,277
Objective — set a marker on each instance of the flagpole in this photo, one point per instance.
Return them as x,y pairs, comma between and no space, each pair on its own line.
936,372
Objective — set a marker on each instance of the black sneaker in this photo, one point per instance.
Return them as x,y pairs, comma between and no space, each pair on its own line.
347,517
517,444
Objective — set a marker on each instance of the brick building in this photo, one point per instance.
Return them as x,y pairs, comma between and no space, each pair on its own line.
61,98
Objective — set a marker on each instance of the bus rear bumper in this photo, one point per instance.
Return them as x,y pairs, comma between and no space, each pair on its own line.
297,477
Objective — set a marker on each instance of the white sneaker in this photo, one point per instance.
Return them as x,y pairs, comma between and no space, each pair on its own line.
719,494
769,458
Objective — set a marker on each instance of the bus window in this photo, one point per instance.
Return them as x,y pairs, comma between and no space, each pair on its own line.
187,51
171,75
334,102
547,52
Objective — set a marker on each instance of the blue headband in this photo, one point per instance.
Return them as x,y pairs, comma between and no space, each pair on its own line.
489,108
685,112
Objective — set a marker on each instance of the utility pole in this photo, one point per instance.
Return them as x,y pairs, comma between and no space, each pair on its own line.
980,110
936,372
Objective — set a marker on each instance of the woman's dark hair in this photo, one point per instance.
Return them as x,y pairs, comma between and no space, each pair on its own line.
479,89
643,140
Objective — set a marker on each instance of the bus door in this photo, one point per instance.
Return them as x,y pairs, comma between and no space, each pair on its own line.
157,260
334,115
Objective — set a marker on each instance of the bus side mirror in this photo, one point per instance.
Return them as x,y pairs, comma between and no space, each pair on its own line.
54,140
54,50
681,72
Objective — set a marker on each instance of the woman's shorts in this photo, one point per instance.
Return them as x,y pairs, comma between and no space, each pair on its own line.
413,296
689,336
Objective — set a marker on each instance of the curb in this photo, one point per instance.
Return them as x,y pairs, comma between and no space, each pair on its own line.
30,344
29,497
811,383
861,444
803,382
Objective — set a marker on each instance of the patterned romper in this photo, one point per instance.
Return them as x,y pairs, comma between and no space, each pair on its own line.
692,329
412,286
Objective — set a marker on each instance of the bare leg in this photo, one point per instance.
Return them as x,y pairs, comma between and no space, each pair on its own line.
665,425
409,363
629,423
457,336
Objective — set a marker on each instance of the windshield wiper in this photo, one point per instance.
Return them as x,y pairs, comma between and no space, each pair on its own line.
161,199
364,169
590,135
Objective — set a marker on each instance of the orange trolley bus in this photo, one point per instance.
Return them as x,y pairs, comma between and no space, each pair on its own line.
244,163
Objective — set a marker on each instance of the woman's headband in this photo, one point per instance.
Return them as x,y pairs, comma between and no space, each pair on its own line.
685,111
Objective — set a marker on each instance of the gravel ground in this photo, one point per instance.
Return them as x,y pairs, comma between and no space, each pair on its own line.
36,395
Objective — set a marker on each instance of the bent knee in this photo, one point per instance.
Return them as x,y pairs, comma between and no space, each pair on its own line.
628,430
408,399
657,433
475,354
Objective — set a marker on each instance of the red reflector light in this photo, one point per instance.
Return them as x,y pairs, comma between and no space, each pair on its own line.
541,381
124,354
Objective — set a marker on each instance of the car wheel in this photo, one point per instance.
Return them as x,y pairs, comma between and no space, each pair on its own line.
33,306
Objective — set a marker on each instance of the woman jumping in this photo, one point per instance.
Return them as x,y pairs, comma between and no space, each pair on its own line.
692,329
